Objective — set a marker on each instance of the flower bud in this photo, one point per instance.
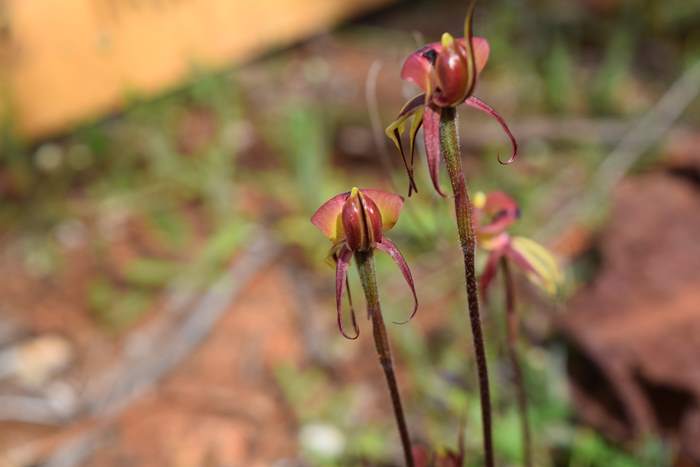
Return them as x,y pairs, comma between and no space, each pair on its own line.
452,73
362,221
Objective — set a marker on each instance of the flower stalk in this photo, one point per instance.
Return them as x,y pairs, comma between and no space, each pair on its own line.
365,267
512,327
355,222
446,72
449,143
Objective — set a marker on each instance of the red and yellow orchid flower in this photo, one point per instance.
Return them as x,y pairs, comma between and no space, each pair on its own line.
496,212
446,72
356,221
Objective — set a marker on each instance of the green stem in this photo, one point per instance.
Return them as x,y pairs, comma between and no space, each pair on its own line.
365,266
449,144
512,326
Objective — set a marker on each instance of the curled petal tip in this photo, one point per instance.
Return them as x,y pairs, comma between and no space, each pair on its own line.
475,102
388,247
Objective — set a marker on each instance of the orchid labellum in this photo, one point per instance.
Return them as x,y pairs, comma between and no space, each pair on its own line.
446,72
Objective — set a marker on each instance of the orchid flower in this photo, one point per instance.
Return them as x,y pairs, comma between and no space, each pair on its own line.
355,223
446,72
495,213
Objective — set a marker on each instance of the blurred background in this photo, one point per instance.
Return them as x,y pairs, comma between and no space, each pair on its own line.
164,299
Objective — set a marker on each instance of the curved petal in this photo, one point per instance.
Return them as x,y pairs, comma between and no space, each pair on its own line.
341,274
415,126
389,205
537,262
395,130
388,247
475,102
489,272
431,135
326,218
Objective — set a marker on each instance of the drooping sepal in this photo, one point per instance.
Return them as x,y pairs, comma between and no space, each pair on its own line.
341,273
475,102
388,247
431,135
412,110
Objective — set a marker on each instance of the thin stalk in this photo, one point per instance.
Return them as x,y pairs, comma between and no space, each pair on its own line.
512,326
449,144
365,266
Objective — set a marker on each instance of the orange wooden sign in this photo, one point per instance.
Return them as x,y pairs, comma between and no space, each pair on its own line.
65,61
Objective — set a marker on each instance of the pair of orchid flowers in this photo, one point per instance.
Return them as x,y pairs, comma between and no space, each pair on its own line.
357,220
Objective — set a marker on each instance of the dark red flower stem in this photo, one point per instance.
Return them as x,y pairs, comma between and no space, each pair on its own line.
449,144
512,326
365,266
